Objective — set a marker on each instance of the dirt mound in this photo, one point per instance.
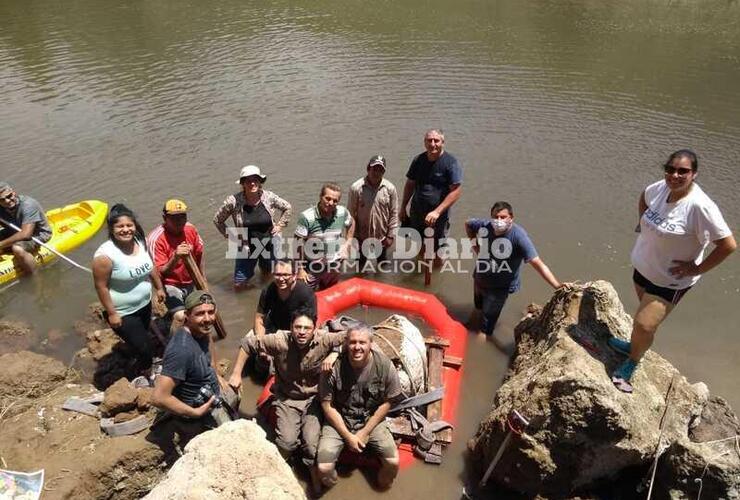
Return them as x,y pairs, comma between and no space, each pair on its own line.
24,376
16,336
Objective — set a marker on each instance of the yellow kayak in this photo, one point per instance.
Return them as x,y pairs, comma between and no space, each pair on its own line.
72,226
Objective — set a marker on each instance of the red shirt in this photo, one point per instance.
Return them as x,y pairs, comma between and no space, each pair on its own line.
162,246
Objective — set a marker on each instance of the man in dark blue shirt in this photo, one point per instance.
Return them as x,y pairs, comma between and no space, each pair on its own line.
501,246
434,179
189,373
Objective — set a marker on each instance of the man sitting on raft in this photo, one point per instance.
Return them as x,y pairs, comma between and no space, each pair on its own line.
355,397
25,213
299,356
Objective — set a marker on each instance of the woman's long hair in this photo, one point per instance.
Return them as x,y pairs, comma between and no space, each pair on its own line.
120,210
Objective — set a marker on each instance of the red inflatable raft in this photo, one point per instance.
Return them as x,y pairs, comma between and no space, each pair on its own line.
357,291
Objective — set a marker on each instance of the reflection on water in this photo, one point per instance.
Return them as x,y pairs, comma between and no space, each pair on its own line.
564,108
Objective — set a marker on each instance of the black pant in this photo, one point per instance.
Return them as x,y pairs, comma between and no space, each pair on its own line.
134,330
490,301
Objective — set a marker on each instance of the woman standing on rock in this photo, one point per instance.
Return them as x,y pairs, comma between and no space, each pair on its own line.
261,214
677,222
124,273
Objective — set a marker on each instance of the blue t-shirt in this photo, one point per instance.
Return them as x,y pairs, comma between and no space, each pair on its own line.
188,361
433,181
500,259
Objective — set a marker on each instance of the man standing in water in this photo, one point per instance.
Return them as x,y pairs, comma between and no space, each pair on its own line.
501,246
373,203
169,245
25,213
321,227
356,396
434,179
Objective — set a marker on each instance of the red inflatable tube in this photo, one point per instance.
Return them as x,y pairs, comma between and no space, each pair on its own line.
357,291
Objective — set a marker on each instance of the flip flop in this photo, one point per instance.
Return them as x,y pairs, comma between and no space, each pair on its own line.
622,384
619,345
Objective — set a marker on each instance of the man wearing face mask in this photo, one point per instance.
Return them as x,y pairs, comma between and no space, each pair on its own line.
501,246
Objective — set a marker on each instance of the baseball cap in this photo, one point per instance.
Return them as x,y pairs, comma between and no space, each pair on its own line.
377,160
174,207
198,297
249,171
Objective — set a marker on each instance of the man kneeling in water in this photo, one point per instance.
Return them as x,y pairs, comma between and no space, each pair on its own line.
356,396
189,387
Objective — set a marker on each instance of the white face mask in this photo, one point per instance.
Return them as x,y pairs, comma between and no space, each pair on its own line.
500,225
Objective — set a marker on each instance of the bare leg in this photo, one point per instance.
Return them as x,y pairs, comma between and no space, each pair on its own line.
650,314
328,474
24,259
387,473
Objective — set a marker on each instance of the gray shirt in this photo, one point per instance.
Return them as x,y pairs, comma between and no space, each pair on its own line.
28,211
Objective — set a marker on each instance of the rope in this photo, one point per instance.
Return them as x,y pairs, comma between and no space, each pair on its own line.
658,452
403,363
422,352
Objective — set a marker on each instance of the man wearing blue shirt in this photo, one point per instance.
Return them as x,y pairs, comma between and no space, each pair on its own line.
501,247
434,179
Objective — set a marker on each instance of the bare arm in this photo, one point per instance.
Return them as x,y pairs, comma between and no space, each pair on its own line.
235,380
286,212
101,268
722,249
545,272
336,420
408,190
162,398
374,420
259,324
25,233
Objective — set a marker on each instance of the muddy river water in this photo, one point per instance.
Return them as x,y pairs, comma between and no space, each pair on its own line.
564,108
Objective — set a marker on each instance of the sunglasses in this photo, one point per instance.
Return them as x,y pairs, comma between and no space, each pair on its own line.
7,197
683,172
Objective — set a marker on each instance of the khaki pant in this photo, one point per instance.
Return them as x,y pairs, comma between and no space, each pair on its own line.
380,442
297,426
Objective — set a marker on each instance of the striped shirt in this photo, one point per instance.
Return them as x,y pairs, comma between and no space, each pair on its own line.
323,235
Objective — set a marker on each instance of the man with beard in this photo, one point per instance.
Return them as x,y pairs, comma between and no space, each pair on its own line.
321,227
169,244
25,213
189,387
373,203
299,357
355,397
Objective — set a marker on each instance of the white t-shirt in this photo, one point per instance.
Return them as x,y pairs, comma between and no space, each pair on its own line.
675,231
129,284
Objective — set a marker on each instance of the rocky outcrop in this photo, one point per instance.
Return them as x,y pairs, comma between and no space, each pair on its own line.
583,432
234,461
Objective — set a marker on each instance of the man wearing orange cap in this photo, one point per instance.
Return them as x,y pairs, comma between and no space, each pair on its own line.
168,245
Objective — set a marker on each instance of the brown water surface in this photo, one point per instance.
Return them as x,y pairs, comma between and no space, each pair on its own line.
564,108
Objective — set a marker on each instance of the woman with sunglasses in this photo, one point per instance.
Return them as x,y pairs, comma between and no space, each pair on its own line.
677,223
259,216
124,273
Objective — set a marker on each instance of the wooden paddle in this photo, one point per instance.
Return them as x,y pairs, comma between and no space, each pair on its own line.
202,284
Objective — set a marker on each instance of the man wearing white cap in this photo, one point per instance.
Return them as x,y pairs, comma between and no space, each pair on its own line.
373,203
258,216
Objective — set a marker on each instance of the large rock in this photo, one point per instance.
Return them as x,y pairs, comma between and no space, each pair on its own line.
234,461
120,397
583,432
